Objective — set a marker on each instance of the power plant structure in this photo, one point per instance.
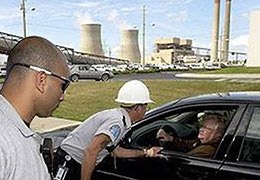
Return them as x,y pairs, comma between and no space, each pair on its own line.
215,35
169,50
254,40
91,39
225,41
129,46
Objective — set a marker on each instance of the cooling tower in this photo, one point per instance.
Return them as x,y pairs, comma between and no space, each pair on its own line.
214,49
129,47
91,39
254,40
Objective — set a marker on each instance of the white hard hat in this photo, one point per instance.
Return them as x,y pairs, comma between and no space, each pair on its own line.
134,92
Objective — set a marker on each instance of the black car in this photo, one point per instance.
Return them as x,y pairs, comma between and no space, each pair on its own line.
237,155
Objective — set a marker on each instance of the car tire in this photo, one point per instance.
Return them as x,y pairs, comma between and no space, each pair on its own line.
105,77
74,78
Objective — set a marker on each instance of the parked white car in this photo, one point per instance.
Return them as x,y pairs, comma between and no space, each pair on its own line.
196,66
112,68
181,66
101,67
122,67
212,66
136,66
164,66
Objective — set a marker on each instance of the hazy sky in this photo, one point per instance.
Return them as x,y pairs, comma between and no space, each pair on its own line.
59,20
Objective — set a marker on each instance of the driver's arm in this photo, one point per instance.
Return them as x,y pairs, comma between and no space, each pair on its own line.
174,141
128,153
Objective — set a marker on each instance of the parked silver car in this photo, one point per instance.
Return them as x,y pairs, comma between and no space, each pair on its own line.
83,71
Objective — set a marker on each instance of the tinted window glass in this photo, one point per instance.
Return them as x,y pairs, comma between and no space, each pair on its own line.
83,68
251,146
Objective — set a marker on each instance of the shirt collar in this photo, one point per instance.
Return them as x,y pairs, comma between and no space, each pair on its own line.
127,118
14,118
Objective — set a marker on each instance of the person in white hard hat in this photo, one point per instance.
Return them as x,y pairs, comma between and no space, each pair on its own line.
100,134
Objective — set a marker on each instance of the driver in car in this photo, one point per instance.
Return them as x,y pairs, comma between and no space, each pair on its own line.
210,133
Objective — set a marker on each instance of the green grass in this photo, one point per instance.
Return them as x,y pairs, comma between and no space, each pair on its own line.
234,70
86,98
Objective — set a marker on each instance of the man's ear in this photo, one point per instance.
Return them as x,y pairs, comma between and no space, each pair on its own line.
41,81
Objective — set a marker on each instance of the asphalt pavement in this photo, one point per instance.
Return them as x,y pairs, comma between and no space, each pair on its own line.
189,76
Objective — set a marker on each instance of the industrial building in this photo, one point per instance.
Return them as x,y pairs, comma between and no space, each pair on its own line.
169,50
254,40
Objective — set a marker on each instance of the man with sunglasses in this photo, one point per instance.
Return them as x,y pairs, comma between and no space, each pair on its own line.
100,134
34,85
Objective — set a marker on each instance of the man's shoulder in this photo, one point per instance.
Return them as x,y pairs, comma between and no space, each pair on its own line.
4,121
110,113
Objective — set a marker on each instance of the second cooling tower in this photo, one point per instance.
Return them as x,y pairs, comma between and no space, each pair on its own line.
129,47
91,39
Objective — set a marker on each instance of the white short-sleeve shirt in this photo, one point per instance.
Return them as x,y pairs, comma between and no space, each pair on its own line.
113,122
20,156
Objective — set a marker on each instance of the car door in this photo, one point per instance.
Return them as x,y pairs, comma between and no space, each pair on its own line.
93,73
174,164
86,72
82,71
243,159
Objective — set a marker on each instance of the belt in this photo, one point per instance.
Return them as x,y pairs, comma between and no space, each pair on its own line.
65,166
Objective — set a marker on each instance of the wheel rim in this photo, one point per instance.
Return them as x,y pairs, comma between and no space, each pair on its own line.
104,77
74,78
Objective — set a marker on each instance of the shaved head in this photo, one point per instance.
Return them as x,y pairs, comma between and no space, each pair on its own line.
35,51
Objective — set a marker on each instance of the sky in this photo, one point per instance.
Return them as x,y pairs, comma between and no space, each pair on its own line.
60,20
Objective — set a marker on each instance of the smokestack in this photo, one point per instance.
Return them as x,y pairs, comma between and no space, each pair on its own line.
226,31
129,47
91,39
254,40
215,34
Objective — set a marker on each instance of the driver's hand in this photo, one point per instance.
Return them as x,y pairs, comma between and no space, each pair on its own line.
153,152
163,136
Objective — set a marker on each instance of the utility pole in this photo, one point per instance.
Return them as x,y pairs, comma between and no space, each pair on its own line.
24,22
109,54
143,62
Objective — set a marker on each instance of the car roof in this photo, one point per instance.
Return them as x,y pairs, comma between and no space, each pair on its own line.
228,97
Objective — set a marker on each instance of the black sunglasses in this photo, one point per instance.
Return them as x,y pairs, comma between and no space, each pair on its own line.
65,81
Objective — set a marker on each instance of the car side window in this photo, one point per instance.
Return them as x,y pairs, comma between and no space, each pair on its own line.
251,145
81,68
183,124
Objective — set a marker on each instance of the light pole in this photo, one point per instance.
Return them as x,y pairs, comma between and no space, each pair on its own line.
24,18
24,21
143,62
